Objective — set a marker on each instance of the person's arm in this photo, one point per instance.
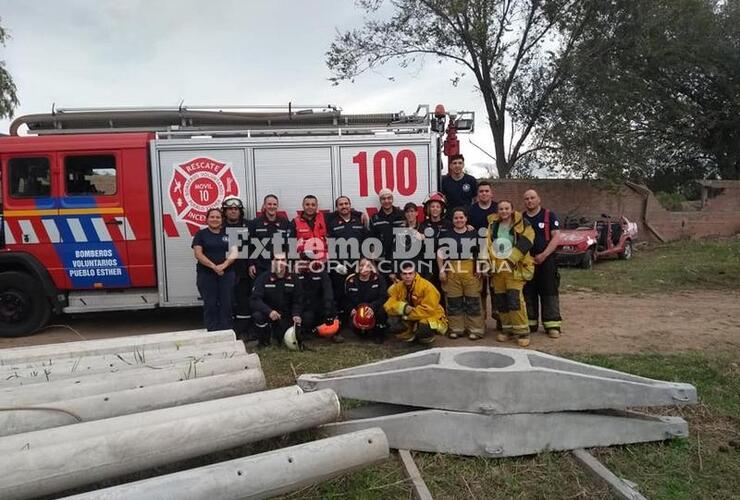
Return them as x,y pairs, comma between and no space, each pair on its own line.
429,301
524,242
296,308
200,257
441,266
382,294
394,306
554,242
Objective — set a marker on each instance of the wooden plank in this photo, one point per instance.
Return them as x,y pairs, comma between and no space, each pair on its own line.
620,487
421,492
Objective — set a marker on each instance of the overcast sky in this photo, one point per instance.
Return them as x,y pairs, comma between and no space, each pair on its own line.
86,53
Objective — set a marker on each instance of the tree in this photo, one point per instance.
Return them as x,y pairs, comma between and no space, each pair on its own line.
8,96
518,51
654,95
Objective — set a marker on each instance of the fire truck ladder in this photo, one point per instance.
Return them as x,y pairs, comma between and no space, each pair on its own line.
248,120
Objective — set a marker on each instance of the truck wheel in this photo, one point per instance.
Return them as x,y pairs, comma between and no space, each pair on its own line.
588,259
24,307
627,252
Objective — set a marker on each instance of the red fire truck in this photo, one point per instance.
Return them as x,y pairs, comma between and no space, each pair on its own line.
99,206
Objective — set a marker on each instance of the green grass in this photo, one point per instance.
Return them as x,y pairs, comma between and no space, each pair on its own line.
705,465
683,265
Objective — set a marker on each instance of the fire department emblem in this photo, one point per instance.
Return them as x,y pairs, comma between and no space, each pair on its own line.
198,185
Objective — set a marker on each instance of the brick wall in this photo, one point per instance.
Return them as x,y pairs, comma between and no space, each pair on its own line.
720,217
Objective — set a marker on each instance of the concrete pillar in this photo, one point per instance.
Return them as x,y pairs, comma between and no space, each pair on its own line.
260,476
77,432
89,385
51,469
17,355
113,404
474,434
122,359
496,380
63,372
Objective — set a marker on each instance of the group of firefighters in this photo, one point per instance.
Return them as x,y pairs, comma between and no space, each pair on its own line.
268,297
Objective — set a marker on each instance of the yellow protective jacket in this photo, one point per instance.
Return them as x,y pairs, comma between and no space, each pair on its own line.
520,259
424,300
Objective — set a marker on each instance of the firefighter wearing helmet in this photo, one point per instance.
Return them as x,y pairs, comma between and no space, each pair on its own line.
364,295
434,227
237,228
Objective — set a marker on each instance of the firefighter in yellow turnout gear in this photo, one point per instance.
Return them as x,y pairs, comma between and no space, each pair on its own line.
457,260
414,311
510,237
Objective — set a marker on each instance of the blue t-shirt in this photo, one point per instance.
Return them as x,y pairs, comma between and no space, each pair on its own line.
459,193
538,224
215,247
478,217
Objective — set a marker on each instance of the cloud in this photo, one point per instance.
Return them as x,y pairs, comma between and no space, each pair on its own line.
84,53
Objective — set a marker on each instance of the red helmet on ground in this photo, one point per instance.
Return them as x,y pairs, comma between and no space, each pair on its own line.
363,317
328,330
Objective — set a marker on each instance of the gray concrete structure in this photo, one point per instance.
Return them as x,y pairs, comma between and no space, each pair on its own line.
51,469
475,434
170,361
152,342
89,385
119,360
493,380
113,404
259,476
80,431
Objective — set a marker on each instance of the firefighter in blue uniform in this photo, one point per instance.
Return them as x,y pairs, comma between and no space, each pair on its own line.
267,228
434,227
382,226
276,301
237,230
542,291
457,186
214,272
367,287
347,228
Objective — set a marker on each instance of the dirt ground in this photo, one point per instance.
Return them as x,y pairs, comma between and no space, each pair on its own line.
593,323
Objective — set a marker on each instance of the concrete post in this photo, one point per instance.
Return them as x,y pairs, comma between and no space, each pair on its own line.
170,340
260,476
89,385
122,359
64,372
113,404
77,432
51,469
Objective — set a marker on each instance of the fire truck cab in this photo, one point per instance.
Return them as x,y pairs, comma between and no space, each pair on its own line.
98,207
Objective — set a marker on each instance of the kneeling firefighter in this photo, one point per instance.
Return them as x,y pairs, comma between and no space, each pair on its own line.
413,308
510,237
276,302
364,295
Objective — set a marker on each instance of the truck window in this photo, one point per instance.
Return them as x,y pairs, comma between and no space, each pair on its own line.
90,175
29,177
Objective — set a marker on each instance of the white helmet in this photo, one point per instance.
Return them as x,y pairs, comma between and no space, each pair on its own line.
290,339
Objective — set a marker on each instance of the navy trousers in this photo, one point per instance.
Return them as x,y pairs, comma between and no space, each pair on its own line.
217,293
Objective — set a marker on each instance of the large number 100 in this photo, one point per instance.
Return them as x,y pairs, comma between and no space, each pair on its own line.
397,174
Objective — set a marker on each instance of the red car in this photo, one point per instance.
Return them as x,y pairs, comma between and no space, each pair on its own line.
584,241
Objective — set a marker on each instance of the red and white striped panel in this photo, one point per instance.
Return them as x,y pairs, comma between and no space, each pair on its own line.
174,228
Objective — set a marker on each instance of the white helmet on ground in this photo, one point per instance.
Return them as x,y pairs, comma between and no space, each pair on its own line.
290,339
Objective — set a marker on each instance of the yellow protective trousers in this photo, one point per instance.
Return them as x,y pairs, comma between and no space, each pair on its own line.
508,300
462,294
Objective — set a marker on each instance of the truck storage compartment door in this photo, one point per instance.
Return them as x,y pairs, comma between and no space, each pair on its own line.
190,182
403,167
290,173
